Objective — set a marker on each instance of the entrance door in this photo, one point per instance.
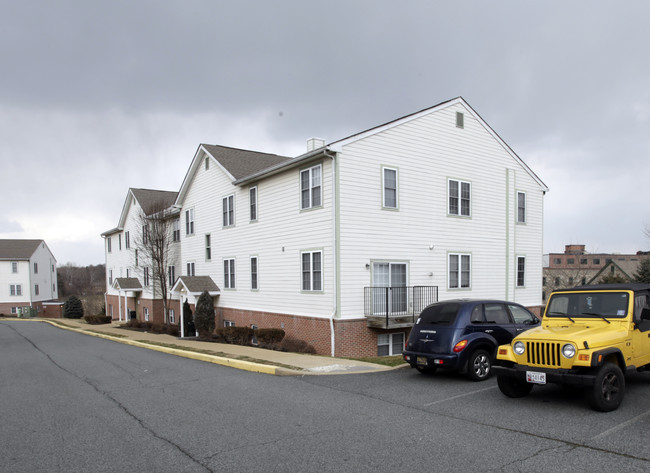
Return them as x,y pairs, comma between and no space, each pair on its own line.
393,277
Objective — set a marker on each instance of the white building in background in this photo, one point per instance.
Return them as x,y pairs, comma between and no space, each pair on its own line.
343,246
28,276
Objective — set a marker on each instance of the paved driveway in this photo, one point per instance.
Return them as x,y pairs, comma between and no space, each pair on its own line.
71,402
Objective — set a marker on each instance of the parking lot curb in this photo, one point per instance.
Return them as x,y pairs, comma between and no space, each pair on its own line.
217,360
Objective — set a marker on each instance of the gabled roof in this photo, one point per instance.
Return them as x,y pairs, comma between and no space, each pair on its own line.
195,285
150,200
18,249
235,163
337,146
627,268
127,284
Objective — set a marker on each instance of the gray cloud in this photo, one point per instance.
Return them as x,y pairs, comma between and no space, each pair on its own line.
96,97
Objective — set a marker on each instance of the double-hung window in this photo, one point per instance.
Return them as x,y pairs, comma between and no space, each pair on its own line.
390,344
108,244
390,188
16,290
521,271
254,271
35,268
14,267
310,187
146,277
521,207
190,269
176,230
127,240
229,211
312,271
208,248
459,198
171,272
459,271
189,222
252,199
229,273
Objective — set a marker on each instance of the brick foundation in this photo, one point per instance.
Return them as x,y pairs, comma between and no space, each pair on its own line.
352,336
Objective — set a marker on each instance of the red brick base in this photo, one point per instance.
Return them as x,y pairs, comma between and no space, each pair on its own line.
352,336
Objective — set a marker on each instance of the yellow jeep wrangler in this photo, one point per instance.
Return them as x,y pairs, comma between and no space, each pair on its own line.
590,337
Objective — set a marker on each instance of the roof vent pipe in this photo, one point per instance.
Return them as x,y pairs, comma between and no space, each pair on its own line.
315,143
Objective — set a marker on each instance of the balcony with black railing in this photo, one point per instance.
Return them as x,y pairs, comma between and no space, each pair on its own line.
394,307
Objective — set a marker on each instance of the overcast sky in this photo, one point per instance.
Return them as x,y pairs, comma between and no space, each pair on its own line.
97,97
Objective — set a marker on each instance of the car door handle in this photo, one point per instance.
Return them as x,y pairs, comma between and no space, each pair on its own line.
489,331
520,330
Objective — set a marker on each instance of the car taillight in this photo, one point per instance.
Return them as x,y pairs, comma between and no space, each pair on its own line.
460,346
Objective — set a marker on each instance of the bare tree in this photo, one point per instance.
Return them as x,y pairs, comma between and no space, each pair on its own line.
154,250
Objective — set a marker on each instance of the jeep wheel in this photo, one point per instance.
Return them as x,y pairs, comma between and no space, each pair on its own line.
426,369
512,387
608,390
479,365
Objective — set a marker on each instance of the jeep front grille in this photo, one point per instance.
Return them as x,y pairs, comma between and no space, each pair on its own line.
543,354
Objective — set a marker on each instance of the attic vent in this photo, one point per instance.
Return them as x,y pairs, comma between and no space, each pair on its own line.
315,143
460,120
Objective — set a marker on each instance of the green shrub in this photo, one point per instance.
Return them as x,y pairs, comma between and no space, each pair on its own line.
204,315
133,323
269,336
73,308
98,319
297,346
236,335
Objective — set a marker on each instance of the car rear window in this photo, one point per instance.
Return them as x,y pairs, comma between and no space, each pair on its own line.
441,314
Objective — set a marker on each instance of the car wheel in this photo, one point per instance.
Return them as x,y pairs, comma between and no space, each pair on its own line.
514,388
479,365
426,369
607,392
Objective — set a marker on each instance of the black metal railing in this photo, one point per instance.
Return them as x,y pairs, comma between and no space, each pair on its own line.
398,301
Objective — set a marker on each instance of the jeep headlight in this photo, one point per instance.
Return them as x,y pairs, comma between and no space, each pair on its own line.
519,348
568,351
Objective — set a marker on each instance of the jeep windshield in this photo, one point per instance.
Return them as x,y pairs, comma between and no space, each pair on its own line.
574,305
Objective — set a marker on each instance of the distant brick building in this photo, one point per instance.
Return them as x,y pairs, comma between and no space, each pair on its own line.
576,267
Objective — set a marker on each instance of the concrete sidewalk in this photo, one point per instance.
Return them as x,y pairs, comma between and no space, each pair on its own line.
246,358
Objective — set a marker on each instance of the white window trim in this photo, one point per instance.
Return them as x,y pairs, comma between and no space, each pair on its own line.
383,188
146,314
228,211
230,277
172,316
255,283
252,204
189,222
459,279
208,247
459,197
391,343
190,267
525,219
518,259
311,288
311,188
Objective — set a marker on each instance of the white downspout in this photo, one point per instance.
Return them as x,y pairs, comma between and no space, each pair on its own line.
334,256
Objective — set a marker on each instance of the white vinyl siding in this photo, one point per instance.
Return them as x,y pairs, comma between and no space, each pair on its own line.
390,193
311,187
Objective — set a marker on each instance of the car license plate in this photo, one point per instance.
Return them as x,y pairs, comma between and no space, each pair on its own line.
422,361
535,377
